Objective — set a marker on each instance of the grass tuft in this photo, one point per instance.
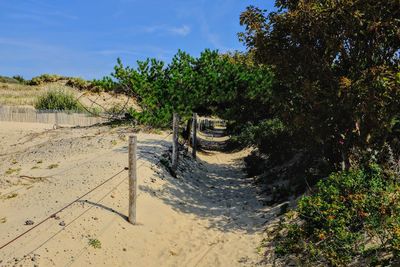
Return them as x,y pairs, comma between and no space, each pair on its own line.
95,243
58,100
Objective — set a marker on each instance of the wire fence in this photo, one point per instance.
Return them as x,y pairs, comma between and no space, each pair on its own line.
54,117
68,205
45,118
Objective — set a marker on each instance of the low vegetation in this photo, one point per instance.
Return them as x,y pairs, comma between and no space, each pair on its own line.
58,100
352,215
95,243
52,166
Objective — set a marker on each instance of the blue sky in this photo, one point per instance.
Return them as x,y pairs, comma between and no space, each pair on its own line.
84,37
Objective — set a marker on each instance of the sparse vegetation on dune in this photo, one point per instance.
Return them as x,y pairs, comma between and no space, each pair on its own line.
316,97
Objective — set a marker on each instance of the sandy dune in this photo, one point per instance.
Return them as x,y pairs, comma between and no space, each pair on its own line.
208,216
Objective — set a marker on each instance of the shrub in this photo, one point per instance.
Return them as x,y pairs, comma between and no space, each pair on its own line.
78,83
4,79
46,78
58,100
354,214
106,84
20,79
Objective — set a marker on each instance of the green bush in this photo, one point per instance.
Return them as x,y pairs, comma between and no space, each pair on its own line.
106,84
353,215
212,84
5,79
58,100
20,79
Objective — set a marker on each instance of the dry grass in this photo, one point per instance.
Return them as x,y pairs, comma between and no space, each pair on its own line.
25,95
18,94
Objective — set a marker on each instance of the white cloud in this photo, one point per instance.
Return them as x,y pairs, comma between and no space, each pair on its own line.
183,30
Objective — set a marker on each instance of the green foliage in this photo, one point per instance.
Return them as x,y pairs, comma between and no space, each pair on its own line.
95,243
4,79
353,214
334,100
106,84
211,84
20,79
337,74
58,100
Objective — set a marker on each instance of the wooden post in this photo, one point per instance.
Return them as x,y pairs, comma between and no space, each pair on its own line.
132,179
56,120
194,135
175,148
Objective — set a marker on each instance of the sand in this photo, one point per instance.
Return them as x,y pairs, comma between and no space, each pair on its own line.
210,215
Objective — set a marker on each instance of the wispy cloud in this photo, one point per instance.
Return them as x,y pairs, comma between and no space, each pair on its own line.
183,30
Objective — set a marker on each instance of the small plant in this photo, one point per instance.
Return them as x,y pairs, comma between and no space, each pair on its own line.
3,220
11,171
52,166
9,196
95,243
39,161
58,100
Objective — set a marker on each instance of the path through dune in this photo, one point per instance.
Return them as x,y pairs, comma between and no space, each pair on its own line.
208,216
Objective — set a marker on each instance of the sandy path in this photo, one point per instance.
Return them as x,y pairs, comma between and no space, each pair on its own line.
208,216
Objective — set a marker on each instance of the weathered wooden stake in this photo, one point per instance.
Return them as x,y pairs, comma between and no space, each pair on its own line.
175,148
56,120
194,135
132,179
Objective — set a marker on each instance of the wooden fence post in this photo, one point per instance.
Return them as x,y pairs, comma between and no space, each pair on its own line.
56,120
175,144
132,179
194,135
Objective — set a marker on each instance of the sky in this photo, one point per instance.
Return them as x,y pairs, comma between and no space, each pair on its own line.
83,38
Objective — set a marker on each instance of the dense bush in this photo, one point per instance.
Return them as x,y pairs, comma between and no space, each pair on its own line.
106,84
211,84
354,215
58,100
337,75
334,100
